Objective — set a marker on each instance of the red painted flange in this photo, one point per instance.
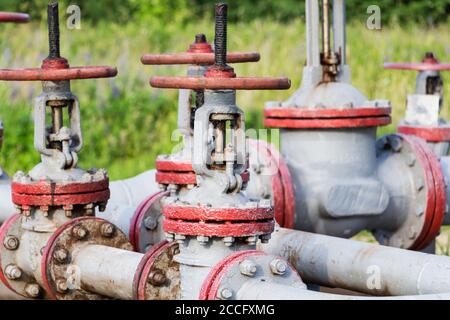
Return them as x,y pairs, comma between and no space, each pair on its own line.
212,282
177,178
14,17
200,213
3,232
143,265
170,165
327,123
228,229
429,134
436,198
302,113
138,218
44,193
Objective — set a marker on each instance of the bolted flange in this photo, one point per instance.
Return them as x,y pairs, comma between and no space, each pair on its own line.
229,275
62,243
158,275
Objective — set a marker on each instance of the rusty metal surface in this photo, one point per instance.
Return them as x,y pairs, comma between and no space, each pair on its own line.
70,237
418,66
220,83
437,134
177,178
74,73
158,276
14,17
201,213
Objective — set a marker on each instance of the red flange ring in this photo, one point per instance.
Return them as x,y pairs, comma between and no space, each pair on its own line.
206,214
418,66
137,222
249,83
177,178
211,284
197,58
92,226
302,113
14,17
170,165
158,259
44,193
228,229
435,212
41,74
327,123
429,134
285,218
278,198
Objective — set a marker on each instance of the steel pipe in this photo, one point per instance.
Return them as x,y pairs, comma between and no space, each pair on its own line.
107,271
258,290
361,267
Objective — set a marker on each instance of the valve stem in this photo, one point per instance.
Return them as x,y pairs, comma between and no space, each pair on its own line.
53,31
220,42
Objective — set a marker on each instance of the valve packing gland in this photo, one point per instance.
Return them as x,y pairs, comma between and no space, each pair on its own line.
47,193
429,134
300,118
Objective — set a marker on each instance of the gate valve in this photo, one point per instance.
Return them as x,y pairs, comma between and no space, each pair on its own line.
216,207
56,200
423,107
176,169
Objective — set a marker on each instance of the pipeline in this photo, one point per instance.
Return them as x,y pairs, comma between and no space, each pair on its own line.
352,265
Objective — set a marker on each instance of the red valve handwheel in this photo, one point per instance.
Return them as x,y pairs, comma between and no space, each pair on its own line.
14,17
220,83
197,58
429,63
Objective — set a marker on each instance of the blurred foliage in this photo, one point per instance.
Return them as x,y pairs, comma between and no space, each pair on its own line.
175,11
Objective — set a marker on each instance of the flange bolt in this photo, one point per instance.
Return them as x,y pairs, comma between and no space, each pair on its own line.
107,230
79,232
157,278
278,267
32,290
13,272
225,294
61,255
11,242
248,268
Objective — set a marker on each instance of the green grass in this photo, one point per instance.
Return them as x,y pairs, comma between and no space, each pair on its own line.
126,123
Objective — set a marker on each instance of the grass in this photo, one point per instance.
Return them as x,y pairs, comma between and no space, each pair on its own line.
127,124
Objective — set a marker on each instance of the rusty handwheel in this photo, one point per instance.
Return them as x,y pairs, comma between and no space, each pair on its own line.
54,67
429,63
13,17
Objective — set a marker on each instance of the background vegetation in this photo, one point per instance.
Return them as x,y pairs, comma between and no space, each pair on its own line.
127,124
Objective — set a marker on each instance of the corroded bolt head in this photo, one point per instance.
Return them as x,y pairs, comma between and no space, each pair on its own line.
225,294
79,232
11,242
248,268
150,223
107,230
61,255
32,290
203,240
61,285
278,267
13,272
157,278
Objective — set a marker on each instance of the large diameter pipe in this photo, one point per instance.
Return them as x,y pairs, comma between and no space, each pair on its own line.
257,290
362,267
107,271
